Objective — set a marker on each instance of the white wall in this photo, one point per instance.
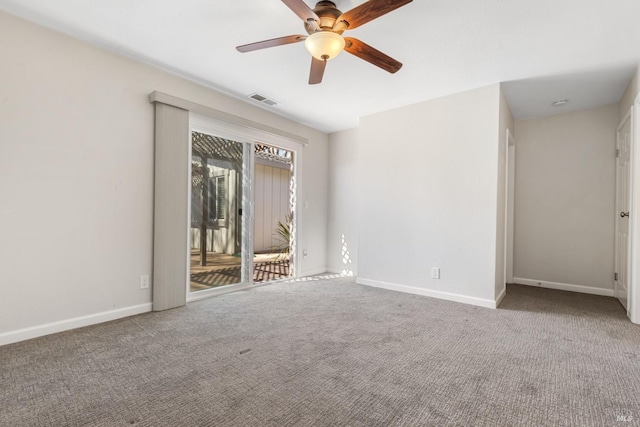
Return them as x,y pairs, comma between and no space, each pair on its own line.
342,239
313,203
565,195
76,178
428,197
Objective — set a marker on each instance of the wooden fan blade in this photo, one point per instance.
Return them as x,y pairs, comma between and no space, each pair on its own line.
371,55
369,11
317,71
301,9
271,43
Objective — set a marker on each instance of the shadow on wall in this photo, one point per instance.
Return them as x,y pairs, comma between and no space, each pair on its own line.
346,259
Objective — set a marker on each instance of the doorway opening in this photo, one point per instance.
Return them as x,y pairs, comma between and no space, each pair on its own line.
274,202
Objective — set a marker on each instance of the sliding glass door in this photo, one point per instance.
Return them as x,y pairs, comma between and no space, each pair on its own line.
274,204
242,221
217,235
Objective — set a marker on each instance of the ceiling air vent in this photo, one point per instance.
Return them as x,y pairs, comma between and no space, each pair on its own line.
263,99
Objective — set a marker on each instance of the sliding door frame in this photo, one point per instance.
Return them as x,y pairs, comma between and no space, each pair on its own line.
248,137
172,182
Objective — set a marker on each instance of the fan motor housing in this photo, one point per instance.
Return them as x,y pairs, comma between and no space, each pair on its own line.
328,14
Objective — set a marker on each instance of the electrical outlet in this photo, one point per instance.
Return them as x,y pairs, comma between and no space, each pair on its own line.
144,281
435,273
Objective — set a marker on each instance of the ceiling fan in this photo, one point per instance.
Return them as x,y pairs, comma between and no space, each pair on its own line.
325,25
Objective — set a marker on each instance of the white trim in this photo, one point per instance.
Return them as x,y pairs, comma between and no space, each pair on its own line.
487,303
509,234
187,279
626,117
313,272
510,140
239,122
248,211
633,302
564,287
298,211
505,239
68,324
501,296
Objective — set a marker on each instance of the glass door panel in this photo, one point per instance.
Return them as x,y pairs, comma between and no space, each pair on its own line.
216,230
274,201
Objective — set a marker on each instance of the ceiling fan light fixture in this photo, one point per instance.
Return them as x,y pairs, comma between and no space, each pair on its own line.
325,25
324,45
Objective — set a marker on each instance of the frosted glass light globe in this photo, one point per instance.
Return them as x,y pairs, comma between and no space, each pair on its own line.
324,45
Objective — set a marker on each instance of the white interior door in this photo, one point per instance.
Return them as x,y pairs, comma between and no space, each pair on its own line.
623,193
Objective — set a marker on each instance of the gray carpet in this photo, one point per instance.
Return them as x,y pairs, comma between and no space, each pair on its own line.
333,353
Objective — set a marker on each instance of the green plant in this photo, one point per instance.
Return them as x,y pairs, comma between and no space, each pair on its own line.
283,235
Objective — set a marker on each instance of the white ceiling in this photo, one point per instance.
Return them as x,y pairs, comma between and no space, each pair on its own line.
530,98
447,46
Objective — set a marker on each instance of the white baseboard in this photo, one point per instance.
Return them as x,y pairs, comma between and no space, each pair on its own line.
341,271
563,286
487,303
68,324
501,296
313,272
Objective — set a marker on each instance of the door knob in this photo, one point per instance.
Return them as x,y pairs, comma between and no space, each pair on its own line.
623,214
